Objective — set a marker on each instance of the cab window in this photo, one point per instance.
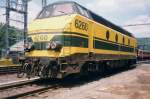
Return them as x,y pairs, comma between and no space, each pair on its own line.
83,11
56,10
62,9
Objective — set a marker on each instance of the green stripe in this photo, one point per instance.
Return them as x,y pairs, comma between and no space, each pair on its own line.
76,41
68,40
105,45
112,42
80,34
126,49
109,46
60,33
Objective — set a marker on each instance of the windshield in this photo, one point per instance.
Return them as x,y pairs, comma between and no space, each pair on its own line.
56,10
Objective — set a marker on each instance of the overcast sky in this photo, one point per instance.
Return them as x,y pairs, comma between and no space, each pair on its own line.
120,12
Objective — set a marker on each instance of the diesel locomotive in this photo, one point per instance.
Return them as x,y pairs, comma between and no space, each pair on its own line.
67,38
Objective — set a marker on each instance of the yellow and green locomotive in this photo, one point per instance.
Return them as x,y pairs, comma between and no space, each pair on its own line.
68,38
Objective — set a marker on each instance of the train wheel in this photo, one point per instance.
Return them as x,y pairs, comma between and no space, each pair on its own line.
42,72
37,71
102,68
132,63
28,70
20,73
84,70
21,70
54,71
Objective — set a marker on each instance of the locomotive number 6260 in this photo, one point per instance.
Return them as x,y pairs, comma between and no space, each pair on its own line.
81,25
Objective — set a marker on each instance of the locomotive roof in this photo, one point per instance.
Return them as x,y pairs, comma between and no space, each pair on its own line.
105,21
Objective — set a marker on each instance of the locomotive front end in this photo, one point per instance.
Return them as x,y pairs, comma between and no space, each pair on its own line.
44,48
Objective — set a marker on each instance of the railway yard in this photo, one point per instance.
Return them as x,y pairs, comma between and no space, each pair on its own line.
70,51
121,84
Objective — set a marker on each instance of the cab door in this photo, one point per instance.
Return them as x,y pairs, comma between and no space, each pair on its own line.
67,44
90,37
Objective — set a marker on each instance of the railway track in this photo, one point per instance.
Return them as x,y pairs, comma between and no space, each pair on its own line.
30,87
23,88
8,69
144,61
17,83
35,90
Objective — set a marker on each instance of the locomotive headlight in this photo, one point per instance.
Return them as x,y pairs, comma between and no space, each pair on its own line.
28,46
54,45
48,45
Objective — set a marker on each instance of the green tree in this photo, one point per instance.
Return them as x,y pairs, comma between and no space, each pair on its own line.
13,32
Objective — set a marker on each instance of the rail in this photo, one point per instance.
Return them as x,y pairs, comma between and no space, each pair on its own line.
23,88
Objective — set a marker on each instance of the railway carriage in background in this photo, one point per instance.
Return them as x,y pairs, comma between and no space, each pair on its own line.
143,55
67,38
